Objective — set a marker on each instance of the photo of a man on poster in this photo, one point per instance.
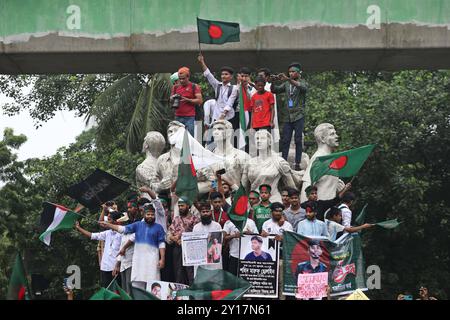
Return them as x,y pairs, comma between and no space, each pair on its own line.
313,265
214,248
257,254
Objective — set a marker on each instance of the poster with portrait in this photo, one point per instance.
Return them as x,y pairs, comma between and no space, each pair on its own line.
202,248
258,264
343,262
166,290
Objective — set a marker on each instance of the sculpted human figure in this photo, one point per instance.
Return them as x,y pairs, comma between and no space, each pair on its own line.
235,159
267,168
167,164
327,186
153,145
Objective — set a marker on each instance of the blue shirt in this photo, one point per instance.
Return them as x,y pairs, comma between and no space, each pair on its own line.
314,228
264,256
153,234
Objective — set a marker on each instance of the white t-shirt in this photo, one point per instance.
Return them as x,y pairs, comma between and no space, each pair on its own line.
273,228
333,229
346,215
231,229
212,227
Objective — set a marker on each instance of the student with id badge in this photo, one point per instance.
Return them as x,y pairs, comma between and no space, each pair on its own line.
291,113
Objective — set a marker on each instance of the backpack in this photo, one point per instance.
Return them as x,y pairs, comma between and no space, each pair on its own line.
230,91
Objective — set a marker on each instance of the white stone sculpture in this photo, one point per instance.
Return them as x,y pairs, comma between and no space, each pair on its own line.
327,186
153,145
235,159
267,168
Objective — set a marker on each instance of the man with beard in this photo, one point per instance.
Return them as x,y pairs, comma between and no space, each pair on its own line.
311,226
207,224
149,248
112,244
184,222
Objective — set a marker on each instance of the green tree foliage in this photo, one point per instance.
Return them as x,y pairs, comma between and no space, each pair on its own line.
407,114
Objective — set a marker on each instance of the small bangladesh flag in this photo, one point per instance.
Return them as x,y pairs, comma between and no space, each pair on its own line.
215,285
217,32
341,164
187,185
239,210
18,284
139,294
114,287
55,217
105,294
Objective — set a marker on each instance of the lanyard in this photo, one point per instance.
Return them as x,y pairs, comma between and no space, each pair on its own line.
291,90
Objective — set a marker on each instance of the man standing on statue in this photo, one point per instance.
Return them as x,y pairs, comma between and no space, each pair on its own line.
291,113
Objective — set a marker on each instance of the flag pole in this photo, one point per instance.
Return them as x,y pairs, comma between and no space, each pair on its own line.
198,38
109,285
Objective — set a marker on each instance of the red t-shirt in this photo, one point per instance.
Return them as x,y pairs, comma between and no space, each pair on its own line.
186,109
261,107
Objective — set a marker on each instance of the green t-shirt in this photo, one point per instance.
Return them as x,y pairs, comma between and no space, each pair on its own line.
260,215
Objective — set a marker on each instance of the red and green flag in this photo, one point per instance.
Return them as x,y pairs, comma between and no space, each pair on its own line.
244,105
238,213
114,287
140,294
217,32
215,285
105,294
187,185
341,164
18,284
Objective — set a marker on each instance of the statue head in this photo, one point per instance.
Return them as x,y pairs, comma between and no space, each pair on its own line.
325,134
263,140
154,143
172,128
222,130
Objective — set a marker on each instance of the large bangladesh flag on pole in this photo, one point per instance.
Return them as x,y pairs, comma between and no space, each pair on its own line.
18,284
187,185
343,261
341,164
215,285
217,32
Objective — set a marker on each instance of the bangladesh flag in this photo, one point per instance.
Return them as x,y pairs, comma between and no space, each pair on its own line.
215,285
187,185
217,32
341,164
114,287
139,294
105,294
55,217
18,284
244,104
239,211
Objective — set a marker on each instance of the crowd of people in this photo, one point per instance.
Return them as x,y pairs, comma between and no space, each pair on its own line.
259,100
